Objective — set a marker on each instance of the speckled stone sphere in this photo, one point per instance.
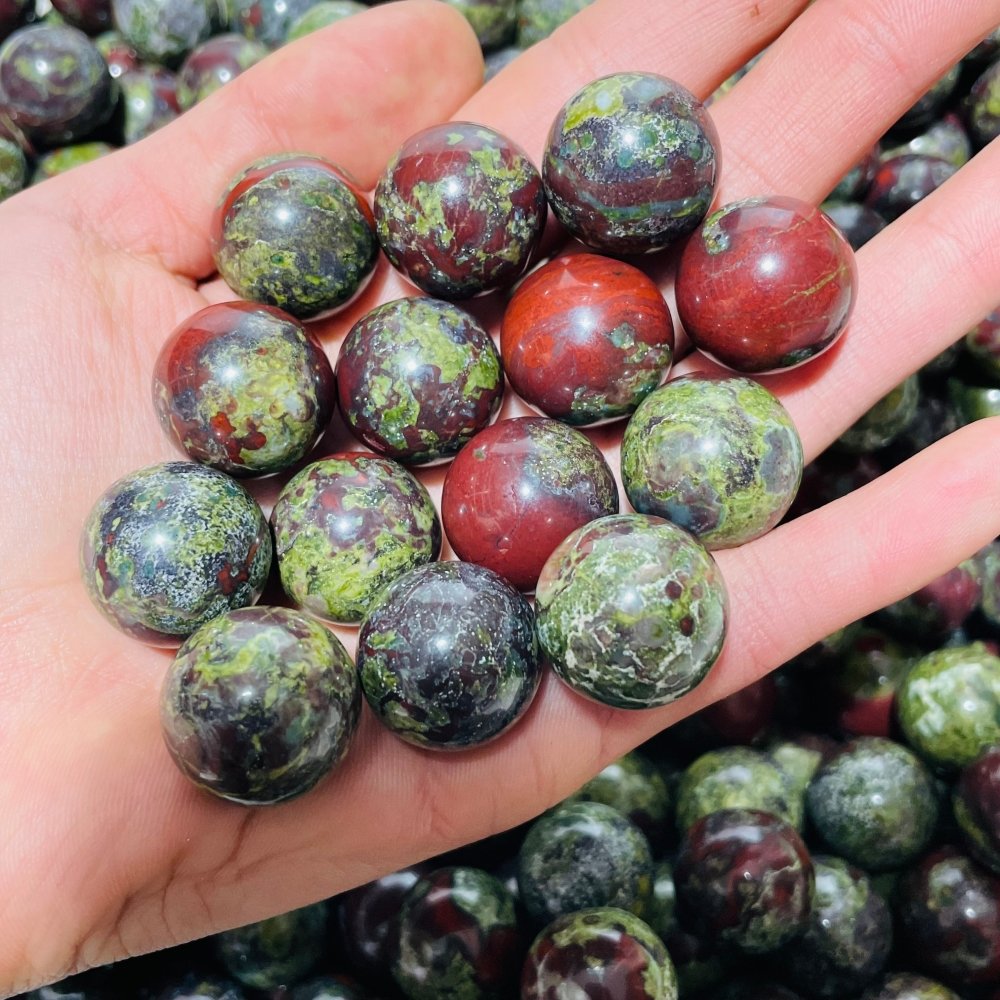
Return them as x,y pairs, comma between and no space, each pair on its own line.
458,938
744,877
169,547
165,31
13,168
948,911
583,854
976,803
259,705
243,388
90,16
858,223
718,456
885,421
58,161
275,952
949,705
736,778
459,210
191,987
327,988
904,180
848,937
767,284
631,611
518,489
417,378
630,164
54,85
874,803
603,953
945,138
448,657
321,14
586,338
267,21
982,344
346,526
493,21
149,100
213,64
537,19
293,231
983,106
907,986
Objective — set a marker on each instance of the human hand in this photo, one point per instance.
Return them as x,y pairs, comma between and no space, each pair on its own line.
108,851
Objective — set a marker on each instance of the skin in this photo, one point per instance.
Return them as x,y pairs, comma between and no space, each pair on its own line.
125,240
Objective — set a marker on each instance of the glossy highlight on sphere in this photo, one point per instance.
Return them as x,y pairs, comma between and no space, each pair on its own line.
459,210
603,953
213,64
518,489
631,611
766,284
718,456
164,31
346,526
293,231
448,656
169,547
259,705
458,938
243,388
586,338
631,163
417,378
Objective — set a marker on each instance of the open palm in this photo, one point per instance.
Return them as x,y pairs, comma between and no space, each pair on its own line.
105,850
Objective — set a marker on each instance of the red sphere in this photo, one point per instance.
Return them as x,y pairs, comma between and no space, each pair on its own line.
585,339
766,284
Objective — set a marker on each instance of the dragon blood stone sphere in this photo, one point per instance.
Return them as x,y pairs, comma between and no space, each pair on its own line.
164,31
448,656
259,705
294,231
631,163
169,547
586,338
459,210
718,456
631,611
603,954
766,284
243,388
346,526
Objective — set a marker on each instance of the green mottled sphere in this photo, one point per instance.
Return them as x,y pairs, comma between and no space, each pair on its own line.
13,168
345,527
322,14
717,456
885,421
259,705
164,31
798,762
493,21
583,854
293,231
631,611
736,778
907,986
275,952
537,19
874,803
327,988
58,161
949,705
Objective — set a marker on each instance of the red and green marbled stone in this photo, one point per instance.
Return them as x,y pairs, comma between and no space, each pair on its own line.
243,388
327,988
259,705
603,953
537,19
58,161
417,378
983,106
459,210
976,804
267,21
884,421
631,162
631,611
905,180
149,100
294,231
345,527
213,64
13,168
165,31
169,547
322,14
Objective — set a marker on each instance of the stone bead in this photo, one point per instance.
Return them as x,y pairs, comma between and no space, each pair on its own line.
630,163
907,986
976,803
631,611
149,99
243,388
949,705
417,378
603,953
294,231
885,421
988,560
493,21
458,938
13,14
169,547
767,284
518,489
719,457
213,64
345,527
13,168
267,21
190,987
982,345
259,705
858,223
580,855
118,54
459,210
926,107
857,180
327,988
448,657
90,16
903,181
983,106
939,608
945,139
585,339
537,19
58,161
165,31
322,14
